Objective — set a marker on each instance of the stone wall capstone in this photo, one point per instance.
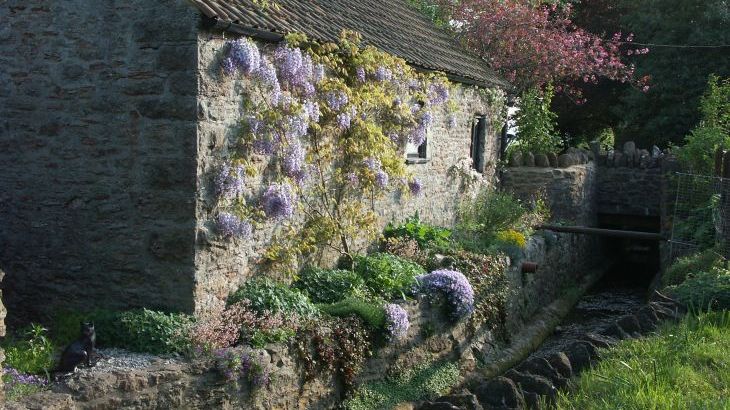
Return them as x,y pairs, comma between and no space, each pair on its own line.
97,146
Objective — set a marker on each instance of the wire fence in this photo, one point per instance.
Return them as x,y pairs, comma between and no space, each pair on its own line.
700,216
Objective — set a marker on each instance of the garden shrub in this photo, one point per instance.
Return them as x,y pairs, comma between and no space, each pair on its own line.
155,332
338,345
452,286
426,235
107,325
698,262
329,286
371,313
239,322
386,275
488,213
536,122
266,295
487,276
705,290
32,354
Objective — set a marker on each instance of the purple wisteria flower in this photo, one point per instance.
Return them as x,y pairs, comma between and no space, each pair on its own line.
318,73
297,125
352,178
373,164
336,100
243,56
344,120
312,110
395,138
266,73
452,285
278,201
231,226
381,178
290,63
415,187
383,74
418,135
396,321
293,161
360,74
229,181
438,93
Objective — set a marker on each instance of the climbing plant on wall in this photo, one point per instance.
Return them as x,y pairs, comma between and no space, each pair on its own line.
334,120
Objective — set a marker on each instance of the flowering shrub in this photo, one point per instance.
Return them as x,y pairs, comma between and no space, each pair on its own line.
425,234
396,321
512,238
332,137
487,276
237,364
18,385
452,285
239,322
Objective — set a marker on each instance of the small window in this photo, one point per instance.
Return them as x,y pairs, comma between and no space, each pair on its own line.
478,139
417,154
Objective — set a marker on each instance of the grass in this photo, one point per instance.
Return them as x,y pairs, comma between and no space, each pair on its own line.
683,366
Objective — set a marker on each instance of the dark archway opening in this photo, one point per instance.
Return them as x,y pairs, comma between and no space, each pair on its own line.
634,262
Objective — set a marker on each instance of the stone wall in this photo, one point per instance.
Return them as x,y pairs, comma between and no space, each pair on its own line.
570,192
97,154
629,191
222,265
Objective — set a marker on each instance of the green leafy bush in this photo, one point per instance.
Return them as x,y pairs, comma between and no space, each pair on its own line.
370,312
386,275
329,286
699,262
155,332
264,294
427,236
481,218
705,290
32,354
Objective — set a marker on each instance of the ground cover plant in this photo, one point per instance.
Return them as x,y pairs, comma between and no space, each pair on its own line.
388,276
684,366
424,381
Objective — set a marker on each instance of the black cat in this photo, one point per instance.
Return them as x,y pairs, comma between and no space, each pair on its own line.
79,351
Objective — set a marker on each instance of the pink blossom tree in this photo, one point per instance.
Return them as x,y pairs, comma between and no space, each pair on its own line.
532,45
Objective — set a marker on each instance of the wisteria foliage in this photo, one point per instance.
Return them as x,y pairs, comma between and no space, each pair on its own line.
333,120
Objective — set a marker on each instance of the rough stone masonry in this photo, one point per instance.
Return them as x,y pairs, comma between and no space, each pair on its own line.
112,118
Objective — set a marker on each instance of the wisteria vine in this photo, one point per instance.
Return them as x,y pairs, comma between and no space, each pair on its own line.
334,121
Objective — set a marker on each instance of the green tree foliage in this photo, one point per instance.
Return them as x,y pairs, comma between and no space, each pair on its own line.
536,122
713,132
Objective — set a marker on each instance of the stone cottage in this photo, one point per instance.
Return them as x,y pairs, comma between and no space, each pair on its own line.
111,115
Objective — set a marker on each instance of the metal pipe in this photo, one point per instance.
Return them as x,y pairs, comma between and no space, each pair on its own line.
614,233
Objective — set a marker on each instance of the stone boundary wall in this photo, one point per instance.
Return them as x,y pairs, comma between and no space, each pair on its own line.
630,191
564,262
97,155
570,192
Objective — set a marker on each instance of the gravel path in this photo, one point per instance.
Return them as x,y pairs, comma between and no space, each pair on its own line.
120,359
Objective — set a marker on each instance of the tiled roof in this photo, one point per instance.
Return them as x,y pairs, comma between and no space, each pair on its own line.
391,25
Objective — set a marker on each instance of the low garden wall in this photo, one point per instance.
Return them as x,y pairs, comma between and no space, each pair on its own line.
563,262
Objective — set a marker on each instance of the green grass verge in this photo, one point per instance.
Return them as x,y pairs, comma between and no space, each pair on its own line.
426,381
684,366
